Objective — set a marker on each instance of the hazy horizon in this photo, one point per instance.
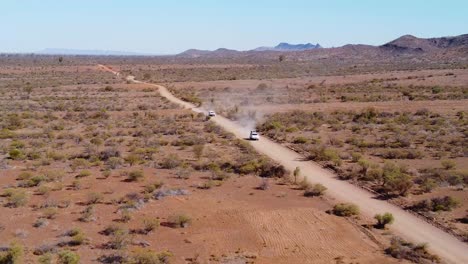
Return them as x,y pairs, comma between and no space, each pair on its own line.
163,27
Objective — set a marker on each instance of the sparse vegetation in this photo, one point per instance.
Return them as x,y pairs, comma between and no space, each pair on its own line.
315,190
383,220
180,220
345,209
401,249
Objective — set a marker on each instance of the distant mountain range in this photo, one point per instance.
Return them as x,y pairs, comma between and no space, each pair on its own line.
409,45
283,46
53,51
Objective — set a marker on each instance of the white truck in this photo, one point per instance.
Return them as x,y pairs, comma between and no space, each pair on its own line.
254,135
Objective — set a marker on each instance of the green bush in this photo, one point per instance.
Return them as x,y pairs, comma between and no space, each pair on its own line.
45,259
18,198
446,203
77,237
83,173
383,220
135,175
147,256
300,140
395,180
16,154
150,224
345,209
120,239
68,257
13,255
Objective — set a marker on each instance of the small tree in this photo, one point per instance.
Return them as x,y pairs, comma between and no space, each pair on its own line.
60,59
383,220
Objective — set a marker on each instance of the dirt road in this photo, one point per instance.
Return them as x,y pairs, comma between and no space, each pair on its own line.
406,225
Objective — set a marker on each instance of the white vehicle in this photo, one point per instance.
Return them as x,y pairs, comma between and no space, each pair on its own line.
211,113
254,135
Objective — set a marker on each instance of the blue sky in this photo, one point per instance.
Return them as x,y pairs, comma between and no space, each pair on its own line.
167,27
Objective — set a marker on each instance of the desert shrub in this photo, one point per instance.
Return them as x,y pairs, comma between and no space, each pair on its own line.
356,156
13,255
132,159
13,122
150,188
94,198
50,212
401,249
33,181
179,220
76,185
198,150
305,184
321,153
114,162
25,175
119,239
16,154
45,259
269,170
183,173
83,173
68,257
448,164
87,215
43,190
315,190
207,185
383,220
41,222
77,237
125,215
79,163
170,162
436,89
427,185
150,224
446,203
345,209
17,198
147,256
300,140
135,175
401,154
